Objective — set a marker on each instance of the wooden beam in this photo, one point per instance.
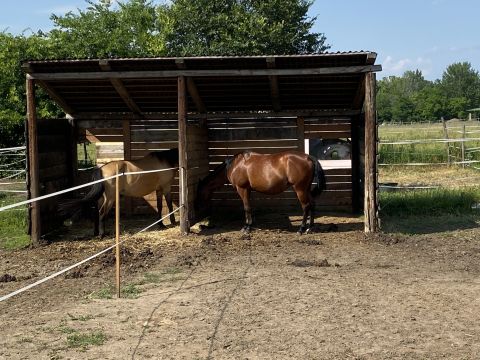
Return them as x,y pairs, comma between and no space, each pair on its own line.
86,116
371,186
120,88
192,88
183,156
33,166
274,88
203,73
56,97
359,98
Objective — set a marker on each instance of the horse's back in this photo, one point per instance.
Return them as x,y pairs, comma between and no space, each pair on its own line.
138,185
272,173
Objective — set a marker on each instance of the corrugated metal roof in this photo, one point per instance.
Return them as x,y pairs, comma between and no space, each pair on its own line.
240,83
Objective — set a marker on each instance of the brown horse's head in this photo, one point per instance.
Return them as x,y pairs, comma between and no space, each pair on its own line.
208,185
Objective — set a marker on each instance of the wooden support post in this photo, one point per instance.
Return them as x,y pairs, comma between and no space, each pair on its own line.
445,135
33,168
464,135
301,133
117,233
370,201
183,156
127,155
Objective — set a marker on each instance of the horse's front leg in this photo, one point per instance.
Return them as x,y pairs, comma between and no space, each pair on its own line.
168,199
245,195
159,193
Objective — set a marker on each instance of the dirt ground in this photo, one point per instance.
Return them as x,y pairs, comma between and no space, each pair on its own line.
334,294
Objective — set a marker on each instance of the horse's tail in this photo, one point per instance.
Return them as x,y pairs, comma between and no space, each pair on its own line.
318,177
72,208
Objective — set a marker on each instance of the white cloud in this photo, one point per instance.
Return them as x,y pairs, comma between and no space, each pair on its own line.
59,10
392,66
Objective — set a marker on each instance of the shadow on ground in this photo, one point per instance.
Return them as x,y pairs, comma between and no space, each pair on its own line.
429,224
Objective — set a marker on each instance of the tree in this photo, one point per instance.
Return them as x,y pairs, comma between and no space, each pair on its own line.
14,50
397,97
241,27
131,29
461,86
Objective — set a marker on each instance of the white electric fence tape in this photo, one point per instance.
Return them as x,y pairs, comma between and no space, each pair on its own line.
79,187
41,281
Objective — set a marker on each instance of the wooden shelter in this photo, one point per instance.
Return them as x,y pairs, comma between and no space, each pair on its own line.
210,107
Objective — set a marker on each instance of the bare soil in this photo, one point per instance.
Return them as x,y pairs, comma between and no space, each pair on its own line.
216,294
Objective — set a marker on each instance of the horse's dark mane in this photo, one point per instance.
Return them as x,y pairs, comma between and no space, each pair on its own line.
220,168
170,155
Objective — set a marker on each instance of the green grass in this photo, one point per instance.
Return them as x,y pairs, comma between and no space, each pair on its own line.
90,158
430,202
13,224
428,152
128,291
84,340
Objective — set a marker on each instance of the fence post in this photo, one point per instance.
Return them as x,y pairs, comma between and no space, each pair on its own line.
464,135
445,135
117,233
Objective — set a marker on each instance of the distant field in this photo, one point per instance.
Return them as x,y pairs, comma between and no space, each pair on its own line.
422,143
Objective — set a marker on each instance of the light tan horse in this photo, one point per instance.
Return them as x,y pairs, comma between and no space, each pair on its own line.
102,195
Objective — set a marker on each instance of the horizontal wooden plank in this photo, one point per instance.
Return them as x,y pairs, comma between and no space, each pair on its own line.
104,131
154,135
327,127
227,151
248,144
328,135
253,133
105,138
154,146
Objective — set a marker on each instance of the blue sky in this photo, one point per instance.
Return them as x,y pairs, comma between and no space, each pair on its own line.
407,34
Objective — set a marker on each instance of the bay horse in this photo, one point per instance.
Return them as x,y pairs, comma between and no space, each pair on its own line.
102,195
267,174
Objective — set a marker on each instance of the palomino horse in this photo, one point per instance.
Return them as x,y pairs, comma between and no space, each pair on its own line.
268,174
135,185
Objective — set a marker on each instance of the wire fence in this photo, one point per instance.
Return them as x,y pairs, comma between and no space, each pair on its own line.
13,163
430,144
118,242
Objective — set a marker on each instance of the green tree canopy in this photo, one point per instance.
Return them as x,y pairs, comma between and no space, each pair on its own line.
131,29
241,27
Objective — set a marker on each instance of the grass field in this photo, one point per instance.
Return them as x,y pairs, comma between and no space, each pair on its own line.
13,223
419,151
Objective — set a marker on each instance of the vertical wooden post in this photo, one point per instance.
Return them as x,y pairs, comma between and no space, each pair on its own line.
33,175
117,232
127,155
445,135
183,156
370,201
301,133
464,135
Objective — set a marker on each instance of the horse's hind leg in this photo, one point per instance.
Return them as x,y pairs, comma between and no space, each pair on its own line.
306,201
245,195
168,199
104,210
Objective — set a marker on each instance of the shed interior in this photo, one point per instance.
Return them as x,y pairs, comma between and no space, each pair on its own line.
211,108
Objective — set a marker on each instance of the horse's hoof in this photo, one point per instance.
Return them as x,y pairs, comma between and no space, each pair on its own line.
162,226
246,230
309,231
